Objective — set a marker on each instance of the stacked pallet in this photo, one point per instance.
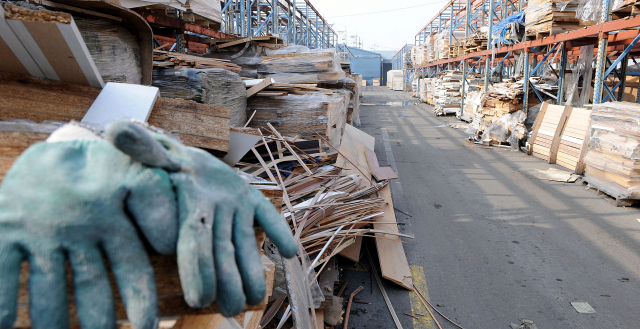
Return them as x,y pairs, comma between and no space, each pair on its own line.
549,17
627,8
477,41
420,55
447,96
612,162
163,58
446,42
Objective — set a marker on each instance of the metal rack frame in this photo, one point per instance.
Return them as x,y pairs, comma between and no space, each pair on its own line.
617,44
295,21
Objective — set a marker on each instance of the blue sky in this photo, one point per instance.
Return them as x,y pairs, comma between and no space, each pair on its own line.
387,27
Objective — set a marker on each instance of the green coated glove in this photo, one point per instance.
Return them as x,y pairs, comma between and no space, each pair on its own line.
79,200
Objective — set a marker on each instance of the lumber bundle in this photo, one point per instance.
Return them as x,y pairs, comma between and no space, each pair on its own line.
550,17
447,96
196,124
426,90
163,58
302,67
268,87
422,54
612,163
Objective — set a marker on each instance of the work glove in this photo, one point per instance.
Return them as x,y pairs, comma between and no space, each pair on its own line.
79,200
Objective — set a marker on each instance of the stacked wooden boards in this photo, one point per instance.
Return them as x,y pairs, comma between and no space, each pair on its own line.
559,135
163,58
572,140
611,160
38,100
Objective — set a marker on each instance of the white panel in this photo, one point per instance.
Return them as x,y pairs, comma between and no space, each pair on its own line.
79,50
121,101
27,41
10,38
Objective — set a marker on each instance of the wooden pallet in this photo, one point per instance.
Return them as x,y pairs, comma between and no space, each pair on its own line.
629,10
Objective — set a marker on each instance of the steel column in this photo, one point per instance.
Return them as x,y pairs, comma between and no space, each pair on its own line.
563,68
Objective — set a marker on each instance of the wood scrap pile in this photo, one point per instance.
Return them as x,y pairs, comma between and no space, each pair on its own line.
502,99
447,97
477,41
163,58
548,17
330,205
612,163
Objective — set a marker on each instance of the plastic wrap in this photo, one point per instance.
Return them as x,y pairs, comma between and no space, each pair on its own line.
217,87
110,43
303,114
613,153
395,80
591,10
447,97
293,49
502,129
310,67
509,31
574,96
207,8
30,126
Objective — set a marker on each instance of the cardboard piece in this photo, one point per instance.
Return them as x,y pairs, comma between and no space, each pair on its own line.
380,173
121,100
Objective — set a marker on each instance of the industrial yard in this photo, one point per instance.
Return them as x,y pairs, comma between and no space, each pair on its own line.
249,164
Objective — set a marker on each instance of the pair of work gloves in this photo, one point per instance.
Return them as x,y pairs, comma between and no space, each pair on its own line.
85,199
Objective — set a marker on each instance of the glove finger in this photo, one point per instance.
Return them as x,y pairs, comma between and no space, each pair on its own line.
276,228
195,260
93,295
230,297
10,260
134,276
248,257
48,303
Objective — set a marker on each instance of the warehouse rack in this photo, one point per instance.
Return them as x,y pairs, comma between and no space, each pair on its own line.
617,39
295,21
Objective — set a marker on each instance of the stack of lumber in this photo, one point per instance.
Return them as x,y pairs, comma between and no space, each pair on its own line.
426,90
477,41
38,100
306,67
612,162
444,44
447,97
550,17
354,84
395,80
163,58
268,87
304,114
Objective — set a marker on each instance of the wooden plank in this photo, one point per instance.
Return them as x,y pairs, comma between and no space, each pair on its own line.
536,126
35,99
556,138
393,260
352,252
259,87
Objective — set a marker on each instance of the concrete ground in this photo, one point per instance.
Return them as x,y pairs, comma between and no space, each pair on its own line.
493,244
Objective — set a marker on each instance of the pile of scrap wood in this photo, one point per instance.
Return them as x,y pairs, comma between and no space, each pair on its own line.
547,17
611,159
477,41
447,96
331,202
503,99
163,58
